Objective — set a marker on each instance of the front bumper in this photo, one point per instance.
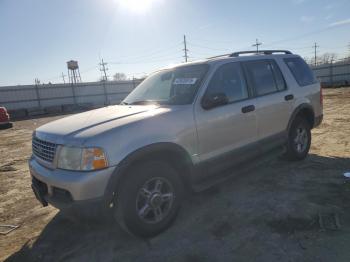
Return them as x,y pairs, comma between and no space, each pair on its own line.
67,189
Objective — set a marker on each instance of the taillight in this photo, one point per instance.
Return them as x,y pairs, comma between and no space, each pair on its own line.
321,97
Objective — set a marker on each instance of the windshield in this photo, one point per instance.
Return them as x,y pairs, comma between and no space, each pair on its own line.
176,86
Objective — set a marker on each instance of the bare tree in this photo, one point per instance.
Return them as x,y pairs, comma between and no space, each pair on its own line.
328,58
307,60
119,76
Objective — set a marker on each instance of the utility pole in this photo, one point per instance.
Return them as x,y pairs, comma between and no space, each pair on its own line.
315,46
257,44
103,69
63,78
133,82
185,49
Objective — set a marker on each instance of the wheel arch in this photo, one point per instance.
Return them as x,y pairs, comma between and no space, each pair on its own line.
303,110
169,152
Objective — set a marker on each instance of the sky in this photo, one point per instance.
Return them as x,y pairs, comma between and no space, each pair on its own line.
136,37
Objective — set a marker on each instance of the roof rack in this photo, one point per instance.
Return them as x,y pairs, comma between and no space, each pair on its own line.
262,52
217,56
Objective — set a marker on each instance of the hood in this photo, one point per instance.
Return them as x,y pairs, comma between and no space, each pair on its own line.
78,123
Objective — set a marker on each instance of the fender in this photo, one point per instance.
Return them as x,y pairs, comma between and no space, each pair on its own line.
144,152
297,110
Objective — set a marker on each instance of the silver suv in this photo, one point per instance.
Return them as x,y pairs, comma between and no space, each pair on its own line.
179,129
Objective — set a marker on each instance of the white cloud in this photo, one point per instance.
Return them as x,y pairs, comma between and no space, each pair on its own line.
307,19
340,22
328,16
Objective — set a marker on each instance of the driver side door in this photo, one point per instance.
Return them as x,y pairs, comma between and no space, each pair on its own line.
227,132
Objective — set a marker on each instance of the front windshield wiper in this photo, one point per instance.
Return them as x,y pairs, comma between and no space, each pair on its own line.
143,102
124,103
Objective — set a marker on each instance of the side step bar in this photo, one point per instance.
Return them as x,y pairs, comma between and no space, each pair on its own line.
237,170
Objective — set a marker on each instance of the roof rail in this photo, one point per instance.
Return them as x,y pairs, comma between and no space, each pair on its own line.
217,56
262,52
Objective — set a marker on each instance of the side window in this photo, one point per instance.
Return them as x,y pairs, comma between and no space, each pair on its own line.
280,83
265,76
300,70
229,80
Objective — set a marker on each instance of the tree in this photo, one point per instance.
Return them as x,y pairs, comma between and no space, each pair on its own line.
307,60
119,76
327,58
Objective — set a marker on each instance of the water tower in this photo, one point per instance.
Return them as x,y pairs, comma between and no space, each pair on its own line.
73,72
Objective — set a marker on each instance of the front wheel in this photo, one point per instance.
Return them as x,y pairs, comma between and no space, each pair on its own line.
150,198
299,139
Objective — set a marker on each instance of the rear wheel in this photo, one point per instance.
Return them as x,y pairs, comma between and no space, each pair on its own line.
150,198
299,139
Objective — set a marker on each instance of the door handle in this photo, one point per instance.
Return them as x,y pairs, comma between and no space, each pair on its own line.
288,97
247,109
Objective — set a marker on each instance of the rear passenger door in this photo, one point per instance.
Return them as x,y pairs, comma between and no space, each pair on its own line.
274,100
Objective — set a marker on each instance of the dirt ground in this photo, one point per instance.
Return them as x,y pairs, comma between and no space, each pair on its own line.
283,211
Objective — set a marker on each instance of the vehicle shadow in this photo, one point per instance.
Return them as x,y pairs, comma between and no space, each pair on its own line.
62,238
210,220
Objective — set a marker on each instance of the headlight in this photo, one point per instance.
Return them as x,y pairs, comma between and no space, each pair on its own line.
74,158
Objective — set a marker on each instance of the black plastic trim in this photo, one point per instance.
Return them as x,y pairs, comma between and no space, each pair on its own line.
296,111
142,153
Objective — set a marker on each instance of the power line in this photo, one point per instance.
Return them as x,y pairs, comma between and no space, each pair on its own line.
257,44
155,52
145,61
299,48
89,69
207,47
221,41
185,49
202,54
142,60
305,35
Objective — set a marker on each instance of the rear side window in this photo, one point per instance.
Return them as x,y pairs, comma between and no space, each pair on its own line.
300,70
265,76
229,80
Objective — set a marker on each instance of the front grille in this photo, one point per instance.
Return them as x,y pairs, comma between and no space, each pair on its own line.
43,149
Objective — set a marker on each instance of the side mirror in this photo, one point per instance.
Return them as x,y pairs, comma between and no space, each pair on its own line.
214,100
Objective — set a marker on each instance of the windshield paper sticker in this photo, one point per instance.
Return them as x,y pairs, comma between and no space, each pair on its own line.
185,81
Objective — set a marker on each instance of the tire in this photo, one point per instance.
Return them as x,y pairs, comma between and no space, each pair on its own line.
299,139
150,211
6,126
